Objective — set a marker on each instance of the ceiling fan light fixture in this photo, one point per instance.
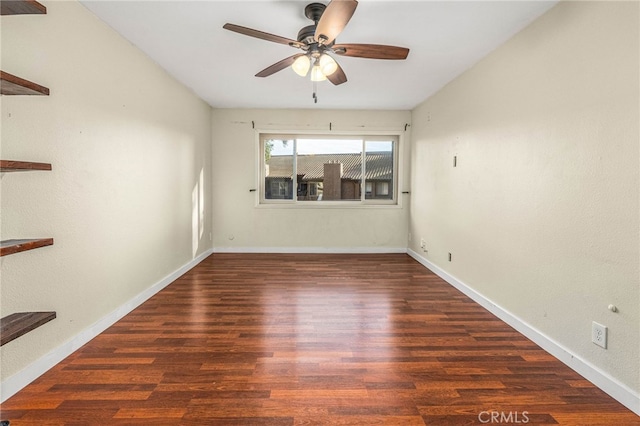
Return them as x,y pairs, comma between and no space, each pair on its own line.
301,65
317,74
327,64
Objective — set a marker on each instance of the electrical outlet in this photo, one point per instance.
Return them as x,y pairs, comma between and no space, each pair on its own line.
423,244
599,334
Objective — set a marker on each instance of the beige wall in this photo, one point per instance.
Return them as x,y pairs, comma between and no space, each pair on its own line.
127,144
240,225
541,213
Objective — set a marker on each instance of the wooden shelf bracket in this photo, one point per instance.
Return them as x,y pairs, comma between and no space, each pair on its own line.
15,325
14,85
8,247
22,166
22,7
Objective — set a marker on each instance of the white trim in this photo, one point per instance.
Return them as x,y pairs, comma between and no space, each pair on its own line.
316,250
19,380
617,390
336,205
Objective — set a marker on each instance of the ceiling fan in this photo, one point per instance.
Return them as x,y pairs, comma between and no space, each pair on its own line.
318,42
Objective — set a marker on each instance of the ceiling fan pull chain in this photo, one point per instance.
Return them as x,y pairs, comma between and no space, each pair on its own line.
315,94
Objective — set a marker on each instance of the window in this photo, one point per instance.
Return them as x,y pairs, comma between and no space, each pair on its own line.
279,189
382,188
328,169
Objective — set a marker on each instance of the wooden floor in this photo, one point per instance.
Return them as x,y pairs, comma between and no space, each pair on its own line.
311,339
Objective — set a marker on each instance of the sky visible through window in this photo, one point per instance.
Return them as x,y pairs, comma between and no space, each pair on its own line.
330,146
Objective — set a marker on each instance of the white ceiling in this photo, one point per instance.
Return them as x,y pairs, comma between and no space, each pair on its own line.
187,39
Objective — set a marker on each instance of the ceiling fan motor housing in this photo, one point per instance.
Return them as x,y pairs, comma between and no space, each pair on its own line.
306,34
312,11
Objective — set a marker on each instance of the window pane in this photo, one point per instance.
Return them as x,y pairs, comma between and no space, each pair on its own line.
329,169
379,170
278,169
298,169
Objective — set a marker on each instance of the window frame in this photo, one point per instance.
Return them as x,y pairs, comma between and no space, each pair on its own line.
395,137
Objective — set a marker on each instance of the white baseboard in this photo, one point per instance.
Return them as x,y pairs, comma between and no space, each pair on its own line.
314,250
617,390
14,383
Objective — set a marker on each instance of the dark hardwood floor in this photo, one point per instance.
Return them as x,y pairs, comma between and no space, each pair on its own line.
311,339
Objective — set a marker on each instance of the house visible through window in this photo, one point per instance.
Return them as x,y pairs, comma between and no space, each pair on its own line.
328,169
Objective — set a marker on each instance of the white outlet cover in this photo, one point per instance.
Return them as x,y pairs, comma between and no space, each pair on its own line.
599,334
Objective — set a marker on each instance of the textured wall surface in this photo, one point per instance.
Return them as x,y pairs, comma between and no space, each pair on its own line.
238,223
130,150
541,214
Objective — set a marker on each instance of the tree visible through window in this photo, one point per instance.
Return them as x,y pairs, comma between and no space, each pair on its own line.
323,169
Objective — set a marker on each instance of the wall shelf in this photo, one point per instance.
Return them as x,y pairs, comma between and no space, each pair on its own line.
22,7
8,247
13,85
15,325
22,166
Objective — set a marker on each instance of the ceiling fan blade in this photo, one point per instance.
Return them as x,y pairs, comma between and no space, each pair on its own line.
262,35
338,76
333,20
372,51
279,66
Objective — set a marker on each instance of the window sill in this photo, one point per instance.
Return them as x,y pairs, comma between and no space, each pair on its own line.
328,205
